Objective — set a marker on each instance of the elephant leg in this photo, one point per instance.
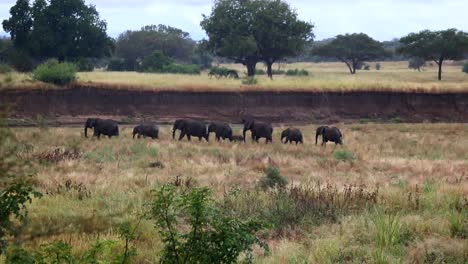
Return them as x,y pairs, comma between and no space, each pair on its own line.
182,134
189,138
199,139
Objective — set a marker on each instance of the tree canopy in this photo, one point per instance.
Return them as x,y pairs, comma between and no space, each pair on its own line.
66,30
438,46
352,49
133,46
250,31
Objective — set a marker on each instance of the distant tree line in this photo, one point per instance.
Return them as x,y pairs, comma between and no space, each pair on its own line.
240,31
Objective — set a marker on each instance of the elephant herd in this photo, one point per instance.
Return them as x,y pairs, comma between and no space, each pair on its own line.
193,128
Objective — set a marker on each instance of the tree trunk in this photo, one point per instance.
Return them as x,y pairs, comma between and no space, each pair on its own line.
251,68
269,70
349,67
441,60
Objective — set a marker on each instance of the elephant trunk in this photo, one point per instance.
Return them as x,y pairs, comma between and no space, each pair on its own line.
243,133
173,132
86,131
317,134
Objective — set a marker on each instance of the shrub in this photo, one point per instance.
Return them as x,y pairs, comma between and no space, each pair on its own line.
273,179
366,67
297,72
119,64
219,72
465,67
84,65
21,61
378,66
277,72
344,155
203,60
210,237
4,68
250,80
155,62
57,73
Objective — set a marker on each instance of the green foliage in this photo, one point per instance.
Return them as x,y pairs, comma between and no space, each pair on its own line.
201,57
119,64
84,65
60,29
252,31
344,155
366,67
155,62
388,229
210,237
273,179
21,61
260,72
297,72
15,189
55,73
250,80
416,63
458,223
352,49
133,46
4,68
465,67
450,44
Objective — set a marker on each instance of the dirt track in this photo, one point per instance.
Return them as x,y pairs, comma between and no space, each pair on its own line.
73,105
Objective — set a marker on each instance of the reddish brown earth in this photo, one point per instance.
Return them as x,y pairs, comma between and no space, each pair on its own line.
73,105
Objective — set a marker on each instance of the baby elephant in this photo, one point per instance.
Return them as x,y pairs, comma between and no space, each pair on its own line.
151,131
332,134
221,130
292,134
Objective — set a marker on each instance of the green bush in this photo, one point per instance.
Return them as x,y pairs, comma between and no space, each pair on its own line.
155,62
4,68
119,64
273,179
57,73
277,72
465,67
84,65
250,80
203,60
211,236
181,69
21,61
344,155
219,72
297,72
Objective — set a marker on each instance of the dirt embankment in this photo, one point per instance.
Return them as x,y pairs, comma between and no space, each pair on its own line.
73,105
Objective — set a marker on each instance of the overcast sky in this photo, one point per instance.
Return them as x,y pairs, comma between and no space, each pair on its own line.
381,19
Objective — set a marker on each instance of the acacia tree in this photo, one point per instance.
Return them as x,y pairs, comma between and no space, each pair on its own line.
438,46
352,49
250,31
56,28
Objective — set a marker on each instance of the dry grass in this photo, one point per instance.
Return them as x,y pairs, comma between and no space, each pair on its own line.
108,181
394,76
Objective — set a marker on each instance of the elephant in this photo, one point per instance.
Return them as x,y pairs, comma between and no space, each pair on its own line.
292,134
190,128
221,130
105,127
257,129
332,134
146,131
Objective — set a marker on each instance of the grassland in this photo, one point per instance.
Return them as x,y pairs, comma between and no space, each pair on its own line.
420,171
323,77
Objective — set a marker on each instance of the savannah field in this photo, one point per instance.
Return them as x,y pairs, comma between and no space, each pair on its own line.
394,193
332,76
